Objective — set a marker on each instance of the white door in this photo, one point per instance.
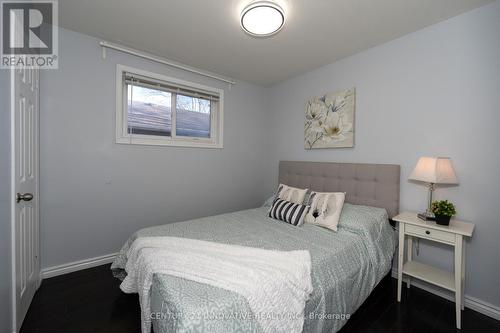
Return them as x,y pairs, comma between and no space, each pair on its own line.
26,243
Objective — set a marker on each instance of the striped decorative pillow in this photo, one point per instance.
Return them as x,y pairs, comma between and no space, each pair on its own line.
288,212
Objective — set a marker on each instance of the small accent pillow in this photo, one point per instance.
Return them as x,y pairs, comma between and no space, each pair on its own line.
325,209
288,212
293,194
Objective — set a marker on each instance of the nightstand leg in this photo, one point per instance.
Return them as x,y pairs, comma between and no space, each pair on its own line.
458,279
401,247
463,273
409,257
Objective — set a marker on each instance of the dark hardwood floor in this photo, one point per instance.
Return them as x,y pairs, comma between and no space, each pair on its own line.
91,301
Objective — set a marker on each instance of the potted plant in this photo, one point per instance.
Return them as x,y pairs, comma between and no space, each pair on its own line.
443,211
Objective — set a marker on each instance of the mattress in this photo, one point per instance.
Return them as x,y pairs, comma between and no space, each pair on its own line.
346,266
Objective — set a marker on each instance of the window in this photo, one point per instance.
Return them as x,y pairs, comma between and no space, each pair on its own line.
154,109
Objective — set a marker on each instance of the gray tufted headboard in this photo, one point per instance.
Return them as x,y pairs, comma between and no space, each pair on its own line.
374,185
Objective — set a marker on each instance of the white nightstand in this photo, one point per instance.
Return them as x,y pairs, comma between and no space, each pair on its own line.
411,226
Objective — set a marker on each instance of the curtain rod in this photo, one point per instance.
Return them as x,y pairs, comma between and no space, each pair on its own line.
163,61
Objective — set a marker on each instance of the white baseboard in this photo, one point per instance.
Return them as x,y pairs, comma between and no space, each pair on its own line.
77,266
472,303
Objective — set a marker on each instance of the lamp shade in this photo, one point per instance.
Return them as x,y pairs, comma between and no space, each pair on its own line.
436,170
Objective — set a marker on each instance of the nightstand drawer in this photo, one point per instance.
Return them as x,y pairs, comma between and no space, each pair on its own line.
433,234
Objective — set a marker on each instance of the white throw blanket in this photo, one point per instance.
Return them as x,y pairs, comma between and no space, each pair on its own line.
276,284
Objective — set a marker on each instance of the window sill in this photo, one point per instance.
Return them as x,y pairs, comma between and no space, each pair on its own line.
169,143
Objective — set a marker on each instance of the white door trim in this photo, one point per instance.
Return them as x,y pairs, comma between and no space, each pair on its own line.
12,196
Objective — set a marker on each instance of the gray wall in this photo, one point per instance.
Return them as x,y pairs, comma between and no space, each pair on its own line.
82,215
433,92
5,199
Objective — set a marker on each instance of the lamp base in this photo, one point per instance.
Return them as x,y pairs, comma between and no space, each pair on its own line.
426,216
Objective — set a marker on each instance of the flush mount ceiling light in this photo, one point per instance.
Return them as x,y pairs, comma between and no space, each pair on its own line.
262,18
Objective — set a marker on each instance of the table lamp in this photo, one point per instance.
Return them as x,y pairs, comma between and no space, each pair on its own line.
432,171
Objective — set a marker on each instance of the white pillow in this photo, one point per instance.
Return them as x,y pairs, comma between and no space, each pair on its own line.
292,194
325,209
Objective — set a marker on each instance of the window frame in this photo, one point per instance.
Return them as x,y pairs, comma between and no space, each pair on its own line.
121,121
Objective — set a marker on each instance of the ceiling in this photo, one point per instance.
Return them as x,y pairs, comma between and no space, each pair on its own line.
206,33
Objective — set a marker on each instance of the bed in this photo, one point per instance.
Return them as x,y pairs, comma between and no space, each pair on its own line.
346,265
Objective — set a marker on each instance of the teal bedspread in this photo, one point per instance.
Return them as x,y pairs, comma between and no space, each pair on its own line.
346,266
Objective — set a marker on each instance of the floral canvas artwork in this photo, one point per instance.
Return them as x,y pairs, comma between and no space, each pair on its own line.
330,120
